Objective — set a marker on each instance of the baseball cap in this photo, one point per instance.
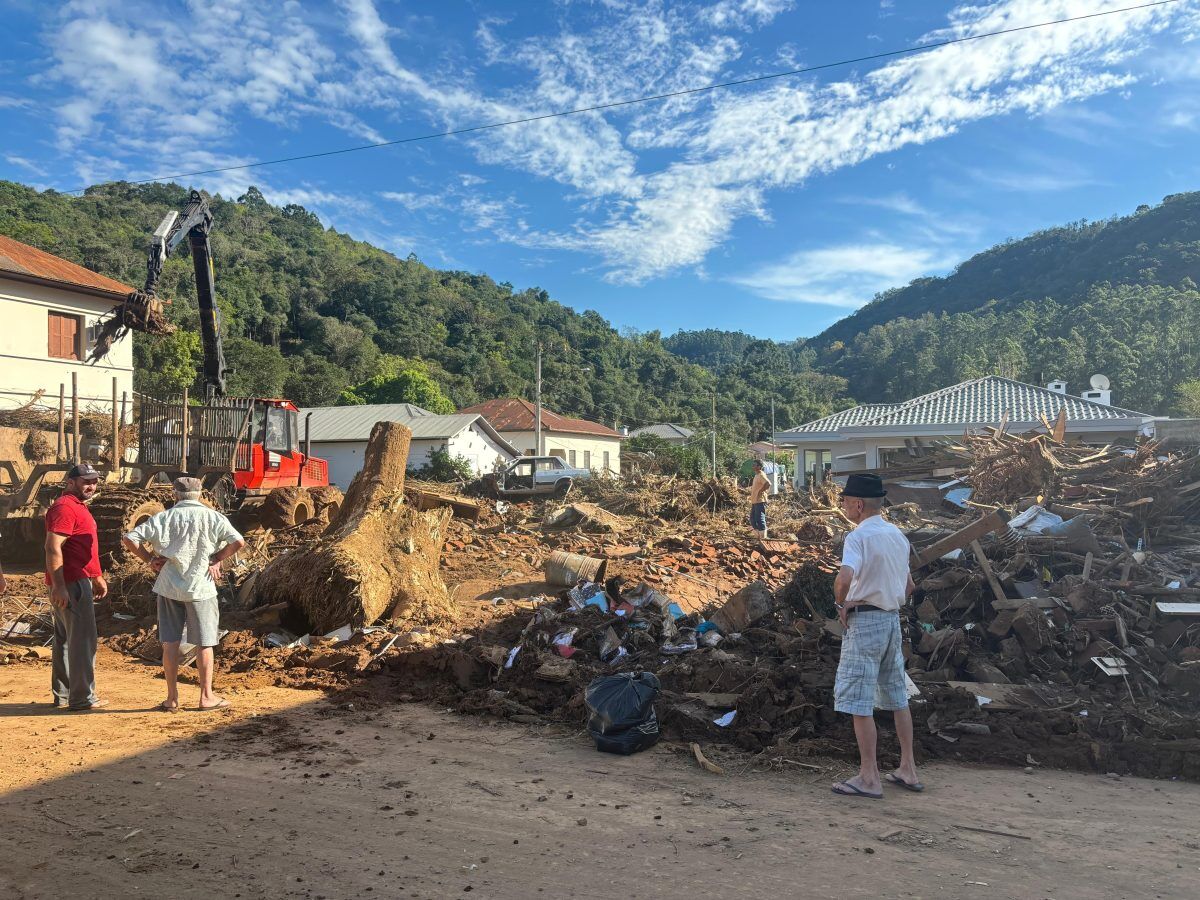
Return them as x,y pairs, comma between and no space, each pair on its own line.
83,470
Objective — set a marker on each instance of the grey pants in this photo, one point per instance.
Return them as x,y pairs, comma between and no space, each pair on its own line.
73,671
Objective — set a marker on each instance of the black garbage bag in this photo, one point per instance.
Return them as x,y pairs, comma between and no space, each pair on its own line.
621,717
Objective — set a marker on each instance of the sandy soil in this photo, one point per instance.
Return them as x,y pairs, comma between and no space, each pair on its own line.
295,794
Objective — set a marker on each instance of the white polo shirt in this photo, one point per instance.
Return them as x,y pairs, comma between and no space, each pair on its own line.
878,553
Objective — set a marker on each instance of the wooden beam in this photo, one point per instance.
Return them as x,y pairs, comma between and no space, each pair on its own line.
993,521
981,558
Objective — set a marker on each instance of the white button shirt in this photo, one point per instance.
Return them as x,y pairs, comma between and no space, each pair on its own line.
187,534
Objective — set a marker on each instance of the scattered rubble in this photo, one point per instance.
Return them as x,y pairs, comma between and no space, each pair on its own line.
1057,614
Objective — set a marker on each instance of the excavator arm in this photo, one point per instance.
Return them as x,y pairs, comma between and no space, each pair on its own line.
193,224
143,310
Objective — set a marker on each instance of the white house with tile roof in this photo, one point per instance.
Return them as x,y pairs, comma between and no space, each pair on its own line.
668,431
874,435
339,435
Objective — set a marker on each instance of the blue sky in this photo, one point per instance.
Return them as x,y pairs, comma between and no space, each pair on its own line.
774,208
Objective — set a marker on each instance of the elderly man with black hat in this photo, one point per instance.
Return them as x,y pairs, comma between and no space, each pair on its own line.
189,542
76,582
872,585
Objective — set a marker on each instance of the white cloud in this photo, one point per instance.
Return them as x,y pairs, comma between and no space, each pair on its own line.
847,275
649,188
413,201
23,163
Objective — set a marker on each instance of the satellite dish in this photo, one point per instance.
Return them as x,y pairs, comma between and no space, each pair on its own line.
1099,382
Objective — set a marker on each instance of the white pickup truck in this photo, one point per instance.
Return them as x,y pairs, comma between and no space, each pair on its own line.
534,476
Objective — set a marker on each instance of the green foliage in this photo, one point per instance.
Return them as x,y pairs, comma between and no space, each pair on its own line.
444,467
398,380
167,365
688,461
310,313
1187,398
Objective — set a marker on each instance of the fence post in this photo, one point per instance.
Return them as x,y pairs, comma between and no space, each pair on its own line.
183,460
62,422
75,417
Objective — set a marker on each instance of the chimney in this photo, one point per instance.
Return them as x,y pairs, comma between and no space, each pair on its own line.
1100,392
1058,386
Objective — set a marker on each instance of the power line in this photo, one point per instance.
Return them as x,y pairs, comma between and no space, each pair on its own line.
599,107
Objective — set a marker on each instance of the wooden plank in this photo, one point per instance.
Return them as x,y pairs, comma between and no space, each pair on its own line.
981,558
993,521
1017,602
1059,432
1087,565
1001,696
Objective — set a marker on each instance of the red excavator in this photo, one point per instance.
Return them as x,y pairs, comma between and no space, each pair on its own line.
246,451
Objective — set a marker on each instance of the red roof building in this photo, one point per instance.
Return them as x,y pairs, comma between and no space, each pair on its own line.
29,263
513,414
581,443
52,310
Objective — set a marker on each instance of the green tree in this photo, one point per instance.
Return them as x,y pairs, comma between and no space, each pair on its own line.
1187,398
400,381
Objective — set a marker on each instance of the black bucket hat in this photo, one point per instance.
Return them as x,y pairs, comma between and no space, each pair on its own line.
864,486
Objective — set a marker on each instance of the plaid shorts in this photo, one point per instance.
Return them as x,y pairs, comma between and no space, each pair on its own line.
871,671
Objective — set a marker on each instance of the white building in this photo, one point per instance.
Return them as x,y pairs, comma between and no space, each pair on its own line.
49,308
587,445
668,431
339,434
879,435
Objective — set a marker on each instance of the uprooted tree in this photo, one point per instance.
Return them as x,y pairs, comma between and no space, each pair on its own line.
378,559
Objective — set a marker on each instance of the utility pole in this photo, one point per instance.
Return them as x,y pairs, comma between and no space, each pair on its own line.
772,429
537,402
714,432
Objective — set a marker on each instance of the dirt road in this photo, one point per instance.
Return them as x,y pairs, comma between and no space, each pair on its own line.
292,794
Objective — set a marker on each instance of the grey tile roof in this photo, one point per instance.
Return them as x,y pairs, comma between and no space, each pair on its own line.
667,430
855,415
986,401
354,423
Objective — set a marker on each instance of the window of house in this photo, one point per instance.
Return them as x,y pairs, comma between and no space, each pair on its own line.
587,459
65,336
606,468
571,457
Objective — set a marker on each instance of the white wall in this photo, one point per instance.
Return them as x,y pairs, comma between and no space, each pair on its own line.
558,443
345,457
25,363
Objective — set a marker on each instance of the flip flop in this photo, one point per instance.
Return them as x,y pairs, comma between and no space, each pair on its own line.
915,786
849,790
167,708
222,704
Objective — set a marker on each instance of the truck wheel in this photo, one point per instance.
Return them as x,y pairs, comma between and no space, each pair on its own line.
326,497
562,488
287,506
117,512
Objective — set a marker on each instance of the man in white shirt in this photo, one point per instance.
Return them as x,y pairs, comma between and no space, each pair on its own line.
189,543
872,585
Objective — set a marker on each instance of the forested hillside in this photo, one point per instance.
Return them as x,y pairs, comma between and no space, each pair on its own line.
1118,297
321,318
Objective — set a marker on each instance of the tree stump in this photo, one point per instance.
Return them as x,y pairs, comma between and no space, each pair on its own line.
378,559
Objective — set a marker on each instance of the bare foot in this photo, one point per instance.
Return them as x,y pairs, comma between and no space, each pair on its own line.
214,703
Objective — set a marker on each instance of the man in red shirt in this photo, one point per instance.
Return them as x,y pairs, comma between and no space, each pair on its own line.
73,574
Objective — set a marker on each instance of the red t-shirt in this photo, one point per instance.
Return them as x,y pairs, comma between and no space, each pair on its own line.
81,549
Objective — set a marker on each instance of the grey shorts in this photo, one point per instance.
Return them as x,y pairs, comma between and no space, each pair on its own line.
870,673
201,617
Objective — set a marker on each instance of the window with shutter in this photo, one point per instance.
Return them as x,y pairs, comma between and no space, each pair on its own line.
64,332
